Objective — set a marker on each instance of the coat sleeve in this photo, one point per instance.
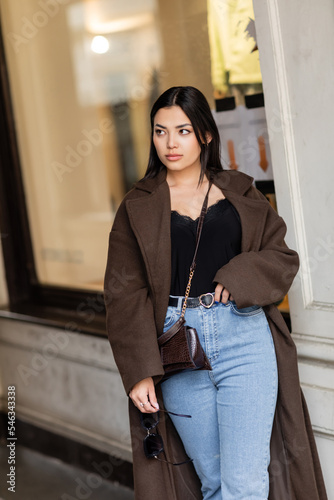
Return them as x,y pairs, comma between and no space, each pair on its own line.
261,277
131,326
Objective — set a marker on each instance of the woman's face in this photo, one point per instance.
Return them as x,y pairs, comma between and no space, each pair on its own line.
175,140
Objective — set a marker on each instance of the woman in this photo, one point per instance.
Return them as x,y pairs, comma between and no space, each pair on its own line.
248,413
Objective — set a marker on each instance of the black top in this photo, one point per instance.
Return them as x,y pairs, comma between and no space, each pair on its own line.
220,241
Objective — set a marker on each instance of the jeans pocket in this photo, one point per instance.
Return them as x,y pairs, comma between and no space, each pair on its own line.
246,311
170,317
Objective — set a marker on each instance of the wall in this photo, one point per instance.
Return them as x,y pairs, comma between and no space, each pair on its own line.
66,383
296,44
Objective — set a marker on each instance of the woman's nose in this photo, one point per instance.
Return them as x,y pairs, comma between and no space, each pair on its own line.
171,141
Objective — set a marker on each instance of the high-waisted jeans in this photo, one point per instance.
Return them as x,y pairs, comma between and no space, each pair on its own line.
232,406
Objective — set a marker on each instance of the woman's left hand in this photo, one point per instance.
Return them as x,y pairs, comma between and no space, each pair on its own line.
222,294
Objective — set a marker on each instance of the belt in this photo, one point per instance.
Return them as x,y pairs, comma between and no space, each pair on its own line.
206,300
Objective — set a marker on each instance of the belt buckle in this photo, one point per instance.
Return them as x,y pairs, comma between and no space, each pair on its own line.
212,300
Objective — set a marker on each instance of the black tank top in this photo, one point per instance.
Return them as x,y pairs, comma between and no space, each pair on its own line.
220,241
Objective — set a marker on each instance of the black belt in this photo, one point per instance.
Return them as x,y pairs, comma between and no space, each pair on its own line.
205,300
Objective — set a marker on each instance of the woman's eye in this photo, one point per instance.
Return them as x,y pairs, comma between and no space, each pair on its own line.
184,131
158,131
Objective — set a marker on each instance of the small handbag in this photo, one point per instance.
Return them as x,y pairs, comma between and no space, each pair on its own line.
180,348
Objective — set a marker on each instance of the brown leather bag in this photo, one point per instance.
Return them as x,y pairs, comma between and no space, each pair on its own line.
180,348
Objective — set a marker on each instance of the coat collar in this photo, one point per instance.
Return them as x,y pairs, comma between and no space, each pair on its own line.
226,180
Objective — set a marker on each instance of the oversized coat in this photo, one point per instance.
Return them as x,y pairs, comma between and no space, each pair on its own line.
137,285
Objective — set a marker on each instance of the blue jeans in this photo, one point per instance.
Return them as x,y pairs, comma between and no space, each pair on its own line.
232,406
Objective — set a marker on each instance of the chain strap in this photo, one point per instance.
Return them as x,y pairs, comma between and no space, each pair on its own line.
192,267
187,293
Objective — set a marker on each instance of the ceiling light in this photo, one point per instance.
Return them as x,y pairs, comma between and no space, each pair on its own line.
100,45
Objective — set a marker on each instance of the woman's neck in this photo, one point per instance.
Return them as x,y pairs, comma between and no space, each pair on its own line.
186,178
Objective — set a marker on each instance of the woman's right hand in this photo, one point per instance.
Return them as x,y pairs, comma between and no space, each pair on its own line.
144,392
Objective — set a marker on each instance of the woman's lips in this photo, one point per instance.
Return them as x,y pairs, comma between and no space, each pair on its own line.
173,157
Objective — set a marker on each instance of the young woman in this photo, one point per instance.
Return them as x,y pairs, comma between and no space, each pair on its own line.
249,436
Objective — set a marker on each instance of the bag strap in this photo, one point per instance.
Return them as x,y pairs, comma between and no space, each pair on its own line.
165,337
198,236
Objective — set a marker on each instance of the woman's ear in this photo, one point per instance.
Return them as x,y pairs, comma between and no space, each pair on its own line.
208,138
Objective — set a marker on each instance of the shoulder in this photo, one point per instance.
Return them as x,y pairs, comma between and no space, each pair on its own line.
240,184
234,181
135,193
146,195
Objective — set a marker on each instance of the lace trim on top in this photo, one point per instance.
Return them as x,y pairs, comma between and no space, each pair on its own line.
195,220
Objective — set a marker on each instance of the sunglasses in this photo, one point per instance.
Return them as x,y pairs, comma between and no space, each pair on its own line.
153,443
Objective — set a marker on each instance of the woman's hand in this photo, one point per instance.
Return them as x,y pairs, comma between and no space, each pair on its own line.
222,294
144,392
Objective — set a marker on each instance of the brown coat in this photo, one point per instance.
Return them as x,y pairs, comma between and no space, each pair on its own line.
137,284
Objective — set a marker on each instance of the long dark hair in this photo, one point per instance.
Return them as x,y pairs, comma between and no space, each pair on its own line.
196,107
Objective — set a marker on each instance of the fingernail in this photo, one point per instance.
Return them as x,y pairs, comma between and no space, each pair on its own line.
156,405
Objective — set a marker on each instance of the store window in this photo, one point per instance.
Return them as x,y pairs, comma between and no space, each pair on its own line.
83,76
